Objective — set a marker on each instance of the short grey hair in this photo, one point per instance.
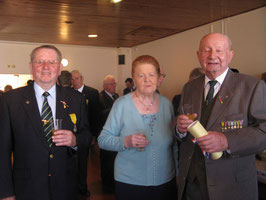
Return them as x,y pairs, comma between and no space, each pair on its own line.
108,77
33,53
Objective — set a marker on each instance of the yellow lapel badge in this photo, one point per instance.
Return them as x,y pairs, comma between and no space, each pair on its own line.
74,121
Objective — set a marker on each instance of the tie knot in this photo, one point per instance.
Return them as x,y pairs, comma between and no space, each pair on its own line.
212,83
46,94
114,96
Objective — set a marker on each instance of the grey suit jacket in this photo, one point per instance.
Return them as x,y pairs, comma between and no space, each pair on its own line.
241,97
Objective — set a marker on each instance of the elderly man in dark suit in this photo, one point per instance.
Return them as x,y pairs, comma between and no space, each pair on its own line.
92,103
45,164
107,98
232,108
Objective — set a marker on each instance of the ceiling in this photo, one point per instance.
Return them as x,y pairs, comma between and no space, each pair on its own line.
126,24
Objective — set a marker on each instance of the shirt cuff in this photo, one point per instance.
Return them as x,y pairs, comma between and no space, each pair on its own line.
180,135
74,148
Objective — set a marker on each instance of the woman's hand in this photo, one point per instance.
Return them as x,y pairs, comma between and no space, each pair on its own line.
136,140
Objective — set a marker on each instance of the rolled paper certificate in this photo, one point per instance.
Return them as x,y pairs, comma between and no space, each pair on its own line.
197,130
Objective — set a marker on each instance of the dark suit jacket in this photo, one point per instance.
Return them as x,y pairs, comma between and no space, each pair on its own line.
106,103
126,91
39,172
176,102
234,175
93,107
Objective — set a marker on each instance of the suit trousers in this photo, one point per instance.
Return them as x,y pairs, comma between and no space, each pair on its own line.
107,168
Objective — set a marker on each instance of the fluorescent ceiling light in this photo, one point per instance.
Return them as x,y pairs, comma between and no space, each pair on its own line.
92,36
115,1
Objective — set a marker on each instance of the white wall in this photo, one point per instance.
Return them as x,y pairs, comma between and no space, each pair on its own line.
177,53
93,62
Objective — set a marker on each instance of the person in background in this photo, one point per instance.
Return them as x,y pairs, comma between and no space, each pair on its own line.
195,73
29,82
139,129
65,79
230,106
234,70
44,164
8,88
160,80
92,104
107,98
263,76
129,86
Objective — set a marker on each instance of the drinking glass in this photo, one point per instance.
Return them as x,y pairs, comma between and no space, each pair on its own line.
187,110
57,125
141,132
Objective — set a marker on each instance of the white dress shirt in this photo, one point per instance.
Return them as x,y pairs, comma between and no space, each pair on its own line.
40,98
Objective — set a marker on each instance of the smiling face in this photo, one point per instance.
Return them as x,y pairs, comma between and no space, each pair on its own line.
145,78
45,67
214,54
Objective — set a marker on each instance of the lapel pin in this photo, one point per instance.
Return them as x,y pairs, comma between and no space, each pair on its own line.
64,103
220,100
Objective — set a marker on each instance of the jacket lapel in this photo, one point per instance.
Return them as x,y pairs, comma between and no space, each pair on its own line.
222,99
33,113
197,97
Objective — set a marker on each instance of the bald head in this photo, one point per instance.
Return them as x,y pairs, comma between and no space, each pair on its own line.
216,35
215,54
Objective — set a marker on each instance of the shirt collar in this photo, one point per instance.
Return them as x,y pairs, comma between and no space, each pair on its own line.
219,79
109,94
39,91
81,88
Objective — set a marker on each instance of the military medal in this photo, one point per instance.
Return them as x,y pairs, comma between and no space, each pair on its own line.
74,121
222,123
234,124
241,123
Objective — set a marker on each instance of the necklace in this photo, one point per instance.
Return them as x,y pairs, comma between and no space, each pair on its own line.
146,106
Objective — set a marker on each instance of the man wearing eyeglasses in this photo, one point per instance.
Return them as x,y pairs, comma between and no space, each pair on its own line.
44,166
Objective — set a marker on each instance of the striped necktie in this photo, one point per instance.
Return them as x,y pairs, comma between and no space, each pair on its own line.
47,118
209,97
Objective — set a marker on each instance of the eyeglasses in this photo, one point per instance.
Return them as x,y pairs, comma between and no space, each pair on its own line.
43,62
163,75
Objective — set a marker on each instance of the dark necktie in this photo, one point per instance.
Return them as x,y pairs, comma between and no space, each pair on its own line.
114,96
209,97
47,118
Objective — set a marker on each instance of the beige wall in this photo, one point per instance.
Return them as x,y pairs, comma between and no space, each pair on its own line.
177,53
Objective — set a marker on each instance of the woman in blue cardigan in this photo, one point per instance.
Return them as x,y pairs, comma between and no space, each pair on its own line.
139,129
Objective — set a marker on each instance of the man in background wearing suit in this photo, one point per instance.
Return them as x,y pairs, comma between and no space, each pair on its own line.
64,79
45,165
92,101
107,98
129,86
232,108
